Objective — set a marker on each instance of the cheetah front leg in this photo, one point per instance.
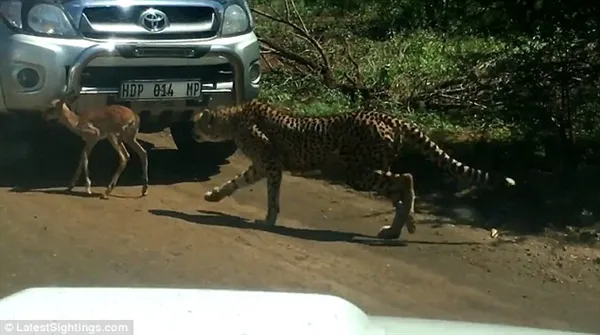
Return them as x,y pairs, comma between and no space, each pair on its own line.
274,177
248,177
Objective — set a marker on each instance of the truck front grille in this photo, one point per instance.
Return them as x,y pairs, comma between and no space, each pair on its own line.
114,14
191,22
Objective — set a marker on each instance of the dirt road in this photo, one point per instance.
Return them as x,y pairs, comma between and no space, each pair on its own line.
322,244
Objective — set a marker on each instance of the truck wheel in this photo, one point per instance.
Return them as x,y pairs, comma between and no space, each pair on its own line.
18,133
213,153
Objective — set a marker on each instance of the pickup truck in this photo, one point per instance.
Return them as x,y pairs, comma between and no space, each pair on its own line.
162,58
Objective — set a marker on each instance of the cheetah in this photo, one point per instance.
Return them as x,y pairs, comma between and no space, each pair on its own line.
366,143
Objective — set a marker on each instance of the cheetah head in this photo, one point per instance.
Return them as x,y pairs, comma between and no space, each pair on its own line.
211,126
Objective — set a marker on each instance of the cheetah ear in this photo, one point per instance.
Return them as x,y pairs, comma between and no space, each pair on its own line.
205,115
196,115
199,115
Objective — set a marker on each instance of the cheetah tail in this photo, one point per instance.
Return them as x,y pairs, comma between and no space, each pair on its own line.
438,156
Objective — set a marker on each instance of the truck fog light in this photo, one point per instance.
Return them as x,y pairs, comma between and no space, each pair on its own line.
255,73
28,77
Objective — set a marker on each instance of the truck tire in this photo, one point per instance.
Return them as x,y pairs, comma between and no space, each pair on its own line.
18,133
209,152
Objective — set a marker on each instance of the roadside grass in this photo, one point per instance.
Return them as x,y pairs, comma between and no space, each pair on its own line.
406,64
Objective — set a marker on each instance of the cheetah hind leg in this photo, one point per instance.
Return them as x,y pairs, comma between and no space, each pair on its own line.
401,219
400,188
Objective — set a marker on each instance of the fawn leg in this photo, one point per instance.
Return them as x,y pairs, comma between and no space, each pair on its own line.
77,173
139,150
123,159
83,165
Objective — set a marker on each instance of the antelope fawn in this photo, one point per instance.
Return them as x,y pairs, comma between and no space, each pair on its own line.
118,124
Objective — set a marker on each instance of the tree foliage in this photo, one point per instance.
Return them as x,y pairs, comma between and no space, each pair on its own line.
544,83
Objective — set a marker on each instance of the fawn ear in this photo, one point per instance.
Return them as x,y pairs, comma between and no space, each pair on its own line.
56,102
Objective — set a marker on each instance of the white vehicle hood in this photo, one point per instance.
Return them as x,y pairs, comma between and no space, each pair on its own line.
159,311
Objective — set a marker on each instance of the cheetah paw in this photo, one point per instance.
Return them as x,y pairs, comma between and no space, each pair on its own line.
387,233
266,223
212,196
411,226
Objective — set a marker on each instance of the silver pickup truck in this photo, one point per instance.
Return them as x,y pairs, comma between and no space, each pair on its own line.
159,57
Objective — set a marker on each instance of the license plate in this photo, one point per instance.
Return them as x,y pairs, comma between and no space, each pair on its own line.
155,90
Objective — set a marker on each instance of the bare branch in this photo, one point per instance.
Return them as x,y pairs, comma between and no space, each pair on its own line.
267,62
360,79
289,55
303,32
298,16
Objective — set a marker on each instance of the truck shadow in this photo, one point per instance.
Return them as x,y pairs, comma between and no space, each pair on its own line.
56,153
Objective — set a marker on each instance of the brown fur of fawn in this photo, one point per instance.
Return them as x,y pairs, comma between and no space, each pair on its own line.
118,124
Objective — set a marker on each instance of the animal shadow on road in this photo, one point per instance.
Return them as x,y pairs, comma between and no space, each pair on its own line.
218,219
57,152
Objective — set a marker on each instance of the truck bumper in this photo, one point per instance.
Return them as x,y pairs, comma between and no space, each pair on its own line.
36,70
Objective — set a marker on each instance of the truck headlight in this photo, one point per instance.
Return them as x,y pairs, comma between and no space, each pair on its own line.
49,20
235,21
44,18
11,13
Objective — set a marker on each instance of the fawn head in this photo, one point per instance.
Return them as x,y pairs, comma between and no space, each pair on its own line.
57,110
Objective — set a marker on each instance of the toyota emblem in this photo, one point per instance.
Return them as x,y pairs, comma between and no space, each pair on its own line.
153,20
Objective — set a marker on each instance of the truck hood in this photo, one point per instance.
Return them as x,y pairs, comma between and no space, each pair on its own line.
159,311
